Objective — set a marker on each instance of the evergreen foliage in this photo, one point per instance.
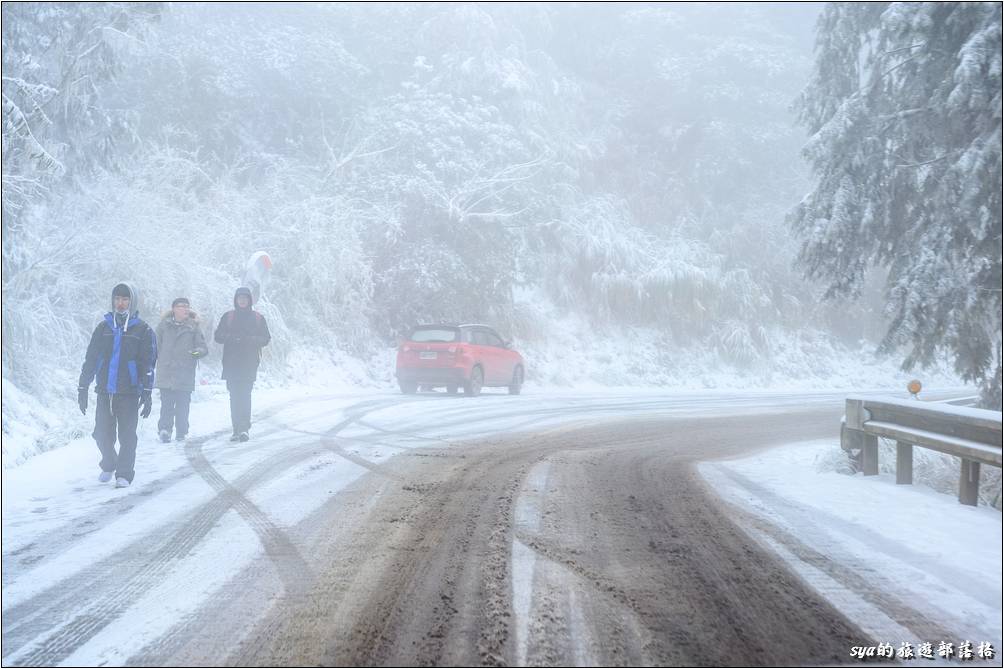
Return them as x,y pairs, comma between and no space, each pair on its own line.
626,166
904,111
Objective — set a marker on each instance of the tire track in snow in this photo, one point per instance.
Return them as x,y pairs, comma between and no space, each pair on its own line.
572,408
330,442
427,545
149,566
686,586
57,540
875,592
125,504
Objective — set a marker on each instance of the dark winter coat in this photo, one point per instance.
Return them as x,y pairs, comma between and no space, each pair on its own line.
179,348
121,355
243,333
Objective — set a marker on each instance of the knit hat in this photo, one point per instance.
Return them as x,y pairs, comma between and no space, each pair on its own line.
180,300
121,290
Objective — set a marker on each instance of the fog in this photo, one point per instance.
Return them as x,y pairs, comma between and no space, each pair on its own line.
597,178
706,293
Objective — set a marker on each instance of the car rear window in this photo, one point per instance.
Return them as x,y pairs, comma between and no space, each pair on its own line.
435,334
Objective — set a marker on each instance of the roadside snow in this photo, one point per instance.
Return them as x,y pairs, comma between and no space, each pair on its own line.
54,490
191,580
913,562
57,519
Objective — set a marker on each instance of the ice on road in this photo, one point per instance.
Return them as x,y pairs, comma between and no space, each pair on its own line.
201,513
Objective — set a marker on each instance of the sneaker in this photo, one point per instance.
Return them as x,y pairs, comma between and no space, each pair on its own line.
165,436
243,436
235,437
121,482
104,477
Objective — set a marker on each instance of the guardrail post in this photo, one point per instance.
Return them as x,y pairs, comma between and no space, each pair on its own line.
969,482
904,463
972,435
850,441
855,414
869,455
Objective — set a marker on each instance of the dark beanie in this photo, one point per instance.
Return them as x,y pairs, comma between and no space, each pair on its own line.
121,290
180,300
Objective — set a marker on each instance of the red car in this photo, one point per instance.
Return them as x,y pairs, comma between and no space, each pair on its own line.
472,356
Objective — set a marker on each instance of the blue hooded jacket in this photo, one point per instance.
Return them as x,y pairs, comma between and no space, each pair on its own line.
122,353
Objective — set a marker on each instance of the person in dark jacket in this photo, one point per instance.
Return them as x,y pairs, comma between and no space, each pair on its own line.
243,332
180,346
121,355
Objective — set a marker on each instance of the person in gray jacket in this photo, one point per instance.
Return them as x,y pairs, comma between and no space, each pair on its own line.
180,344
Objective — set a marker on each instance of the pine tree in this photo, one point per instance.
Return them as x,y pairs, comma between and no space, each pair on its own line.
904,109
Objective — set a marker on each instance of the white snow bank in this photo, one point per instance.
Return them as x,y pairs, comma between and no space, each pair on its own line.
28,424
903,562
54,488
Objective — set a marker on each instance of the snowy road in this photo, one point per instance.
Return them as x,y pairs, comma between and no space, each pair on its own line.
383,529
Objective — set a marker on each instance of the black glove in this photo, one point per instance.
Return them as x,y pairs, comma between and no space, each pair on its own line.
146,401
82,400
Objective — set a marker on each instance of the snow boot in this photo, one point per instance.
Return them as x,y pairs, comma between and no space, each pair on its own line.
243,436
165,436
104,477
235,437
121,482
180,437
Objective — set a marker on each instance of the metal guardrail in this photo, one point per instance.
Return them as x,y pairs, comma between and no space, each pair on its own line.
974,435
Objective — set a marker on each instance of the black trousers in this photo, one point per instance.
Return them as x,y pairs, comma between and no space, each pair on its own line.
174,406
117,416
240,405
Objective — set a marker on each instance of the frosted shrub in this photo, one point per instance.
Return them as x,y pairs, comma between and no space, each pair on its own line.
598,254
322,281
939,471
404,163
835,460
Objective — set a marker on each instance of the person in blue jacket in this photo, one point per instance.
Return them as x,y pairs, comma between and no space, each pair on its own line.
121,356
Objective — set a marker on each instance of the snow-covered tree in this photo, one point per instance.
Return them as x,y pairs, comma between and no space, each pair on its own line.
904,108
55,59
59,129
624,166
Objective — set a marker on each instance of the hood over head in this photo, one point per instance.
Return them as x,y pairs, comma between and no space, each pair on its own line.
127,289
243,290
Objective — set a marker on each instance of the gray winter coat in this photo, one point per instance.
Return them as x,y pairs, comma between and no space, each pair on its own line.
179,348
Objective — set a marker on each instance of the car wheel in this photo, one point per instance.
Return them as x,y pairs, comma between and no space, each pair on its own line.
473,386
452,389
517,381
408,387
